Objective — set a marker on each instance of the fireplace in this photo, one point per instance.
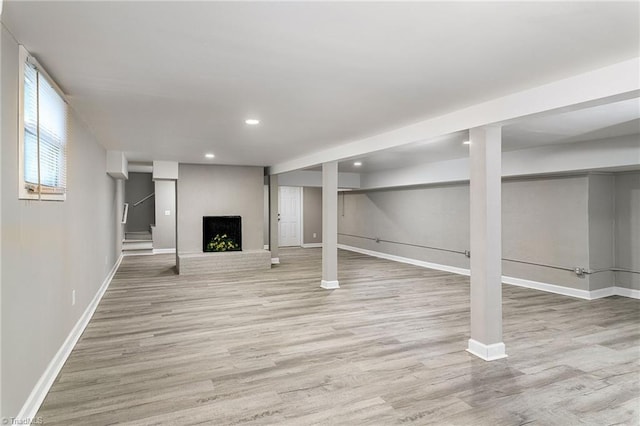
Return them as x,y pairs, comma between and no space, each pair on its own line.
221,233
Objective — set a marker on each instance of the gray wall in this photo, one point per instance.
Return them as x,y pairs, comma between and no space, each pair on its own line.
2,35
601,230
627,190
205,190
48,248
265,214
313,178
432,216
312,215
544,221
164,233
138,186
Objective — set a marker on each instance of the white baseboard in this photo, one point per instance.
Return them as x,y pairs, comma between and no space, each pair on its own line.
446,268
627,292
312,245
520,282
603,292
164,251
573,292
136,253
487,352
275,260
551,288
329,285
40,390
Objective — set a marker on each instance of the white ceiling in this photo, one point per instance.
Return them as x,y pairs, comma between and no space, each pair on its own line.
173,80
600,122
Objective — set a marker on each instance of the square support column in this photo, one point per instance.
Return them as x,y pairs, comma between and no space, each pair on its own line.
273,219
486,243
330,225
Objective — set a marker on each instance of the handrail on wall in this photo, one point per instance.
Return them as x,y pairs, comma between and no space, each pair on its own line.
577,270
562,268
144,199
379,240
631,271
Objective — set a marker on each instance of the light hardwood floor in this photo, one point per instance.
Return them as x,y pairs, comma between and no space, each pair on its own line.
386,348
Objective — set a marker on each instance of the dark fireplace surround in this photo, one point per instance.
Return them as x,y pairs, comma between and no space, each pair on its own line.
221,233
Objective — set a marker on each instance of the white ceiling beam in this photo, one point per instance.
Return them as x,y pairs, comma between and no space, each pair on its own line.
117,165
613,83
165,170
620,153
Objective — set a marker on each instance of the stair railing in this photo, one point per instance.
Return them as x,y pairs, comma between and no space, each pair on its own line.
144,199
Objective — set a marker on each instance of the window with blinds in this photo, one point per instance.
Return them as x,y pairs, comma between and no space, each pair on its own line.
43,135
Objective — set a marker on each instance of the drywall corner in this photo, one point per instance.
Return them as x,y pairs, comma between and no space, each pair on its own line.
164,234
312,214
627,229
165,170
601,216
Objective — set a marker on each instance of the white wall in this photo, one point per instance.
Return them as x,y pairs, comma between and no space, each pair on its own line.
48,248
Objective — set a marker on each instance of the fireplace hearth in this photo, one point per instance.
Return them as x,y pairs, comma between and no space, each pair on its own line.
221,233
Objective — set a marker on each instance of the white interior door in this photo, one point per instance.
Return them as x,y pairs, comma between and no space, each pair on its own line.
289,209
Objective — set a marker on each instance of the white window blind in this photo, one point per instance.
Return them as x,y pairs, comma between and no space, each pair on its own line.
45,135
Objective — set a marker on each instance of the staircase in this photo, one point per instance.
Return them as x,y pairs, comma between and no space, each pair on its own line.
135,243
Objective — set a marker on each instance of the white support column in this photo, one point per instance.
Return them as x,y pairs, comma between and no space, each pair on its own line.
330,225
486,243
273,219
1,224
175,216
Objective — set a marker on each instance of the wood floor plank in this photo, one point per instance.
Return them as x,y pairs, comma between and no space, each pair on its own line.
388,347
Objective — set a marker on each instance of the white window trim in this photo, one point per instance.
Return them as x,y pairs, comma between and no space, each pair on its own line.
23,192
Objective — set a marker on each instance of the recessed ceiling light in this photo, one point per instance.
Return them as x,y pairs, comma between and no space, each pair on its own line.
466,143
209,155
252,121
357,163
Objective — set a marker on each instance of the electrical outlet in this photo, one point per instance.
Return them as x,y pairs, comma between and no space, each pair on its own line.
167,212
73,297
315,235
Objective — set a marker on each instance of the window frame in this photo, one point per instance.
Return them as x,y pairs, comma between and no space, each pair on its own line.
23,192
